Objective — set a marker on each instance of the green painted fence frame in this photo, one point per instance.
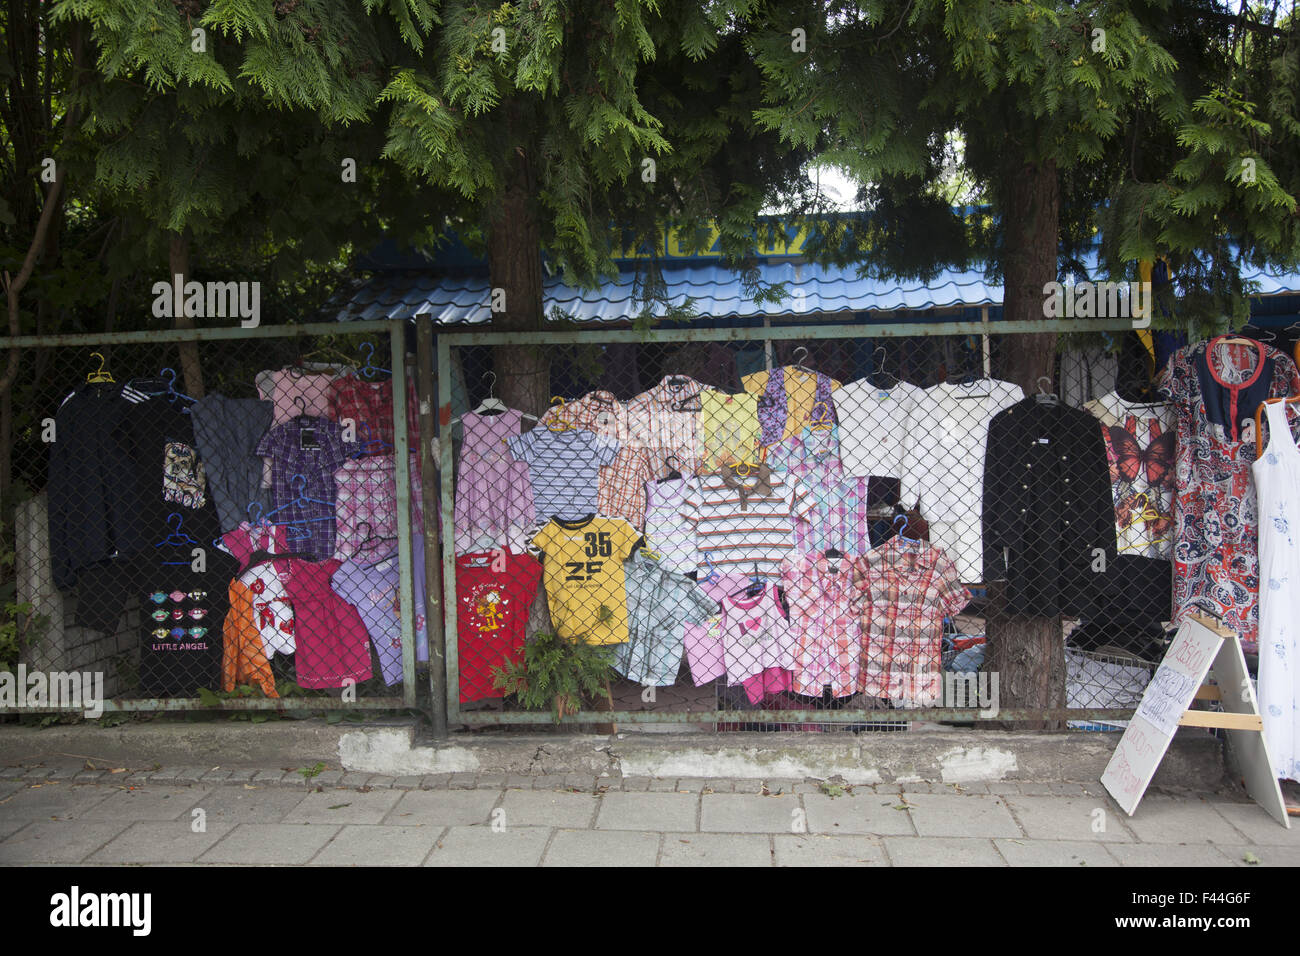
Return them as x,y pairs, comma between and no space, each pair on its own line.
767,333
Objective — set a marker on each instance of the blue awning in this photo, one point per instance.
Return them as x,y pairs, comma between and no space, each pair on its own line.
814,292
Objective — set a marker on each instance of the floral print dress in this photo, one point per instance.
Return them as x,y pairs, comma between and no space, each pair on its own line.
1216,388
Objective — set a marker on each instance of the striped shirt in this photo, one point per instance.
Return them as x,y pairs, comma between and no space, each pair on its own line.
740,532
564,469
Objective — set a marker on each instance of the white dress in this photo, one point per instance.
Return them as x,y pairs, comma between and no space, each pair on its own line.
1277,480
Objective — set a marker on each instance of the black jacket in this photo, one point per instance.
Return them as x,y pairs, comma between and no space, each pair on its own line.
1049,520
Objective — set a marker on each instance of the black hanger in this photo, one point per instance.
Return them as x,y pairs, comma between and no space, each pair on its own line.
673,473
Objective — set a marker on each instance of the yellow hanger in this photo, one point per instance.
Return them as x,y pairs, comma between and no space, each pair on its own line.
825,421
559,423
100,374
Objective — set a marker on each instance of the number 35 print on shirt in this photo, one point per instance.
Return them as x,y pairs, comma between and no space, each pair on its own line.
585,585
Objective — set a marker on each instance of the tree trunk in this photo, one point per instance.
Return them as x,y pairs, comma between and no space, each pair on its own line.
1031,218
1027,653
178,259
515,268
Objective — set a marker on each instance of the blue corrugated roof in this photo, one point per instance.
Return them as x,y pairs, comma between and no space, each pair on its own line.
714,292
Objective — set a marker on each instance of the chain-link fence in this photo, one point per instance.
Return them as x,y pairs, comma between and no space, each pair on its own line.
231,520
783,529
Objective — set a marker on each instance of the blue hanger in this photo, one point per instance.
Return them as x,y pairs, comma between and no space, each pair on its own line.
302,498
899,532
369,446
368,370
171,388
177,538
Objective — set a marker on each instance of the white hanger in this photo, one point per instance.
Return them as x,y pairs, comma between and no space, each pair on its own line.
491,404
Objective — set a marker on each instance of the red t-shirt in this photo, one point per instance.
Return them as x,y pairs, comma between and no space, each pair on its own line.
491,615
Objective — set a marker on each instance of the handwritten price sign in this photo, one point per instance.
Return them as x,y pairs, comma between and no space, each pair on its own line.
1165,700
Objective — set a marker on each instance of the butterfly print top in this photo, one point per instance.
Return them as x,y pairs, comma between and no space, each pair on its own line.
1140,440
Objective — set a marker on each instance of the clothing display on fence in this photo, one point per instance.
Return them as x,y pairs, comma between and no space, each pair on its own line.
1052,528
904,591
564,468
660,603
823,625
620,488
493,490
1215,388
1140,439
664,423
873,426
226,434
943,463
585,585
790,398
741,522
666,530
493,594
221,525
1277,479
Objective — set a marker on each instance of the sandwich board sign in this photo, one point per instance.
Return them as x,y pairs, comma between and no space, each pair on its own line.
1200,647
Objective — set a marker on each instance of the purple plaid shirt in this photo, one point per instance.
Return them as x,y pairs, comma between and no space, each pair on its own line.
311,523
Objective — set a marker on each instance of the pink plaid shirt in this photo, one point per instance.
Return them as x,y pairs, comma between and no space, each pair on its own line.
366,506
824,625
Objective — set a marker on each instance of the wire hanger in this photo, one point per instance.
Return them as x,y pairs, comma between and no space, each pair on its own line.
878,370
101,374
798,366
491,405
369,369
1044,397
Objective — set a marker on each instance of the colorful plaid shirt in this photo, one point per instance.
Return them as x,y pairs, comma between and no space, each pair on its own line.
903,593
312,448
620,490
812,457
367,506
370,406
664,422
823,624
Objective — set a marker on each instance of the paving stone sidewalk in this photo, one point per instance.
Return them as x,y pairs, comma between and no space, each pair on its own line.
202,816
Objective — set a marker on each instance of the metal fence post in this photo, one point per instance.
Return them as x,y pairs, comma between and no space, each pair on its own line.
429,478
402,476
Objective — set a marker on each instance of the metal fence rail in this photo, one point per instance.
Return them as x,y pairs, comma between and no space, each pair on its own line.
249,551
619,524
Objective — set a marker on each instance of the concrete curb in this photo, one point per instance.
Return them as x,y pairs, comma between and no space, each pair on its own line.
210,752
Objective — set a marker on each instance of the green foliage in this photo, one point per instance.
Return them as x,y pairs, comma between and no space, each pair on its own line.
20,627
555,673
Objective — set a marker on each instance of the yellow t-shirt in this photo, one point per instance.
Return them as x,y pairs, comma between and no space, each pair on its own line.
729,424
800,394
585,587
